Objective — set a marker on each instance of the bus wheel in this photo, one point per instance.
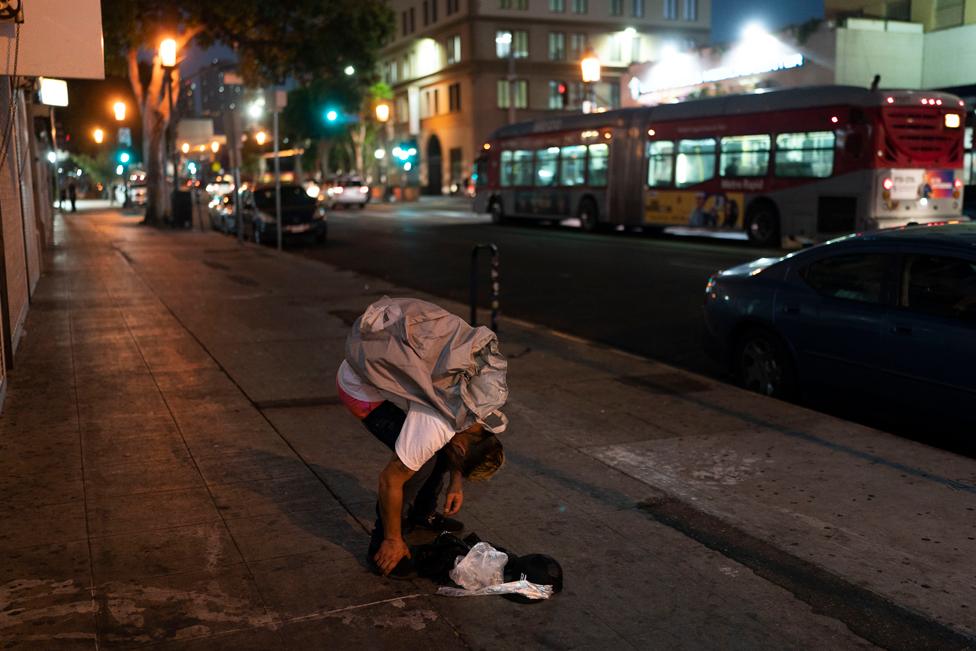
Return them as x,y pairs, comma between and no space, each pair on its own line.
497,212
762,225
588,216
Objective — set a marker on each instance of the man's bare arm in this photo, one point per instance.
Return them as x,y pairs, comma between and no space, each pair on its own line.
393,548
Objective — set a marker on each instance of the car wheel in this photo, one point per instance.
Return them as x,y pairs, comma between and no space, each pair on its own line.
763,364
589,216
762,225
497,212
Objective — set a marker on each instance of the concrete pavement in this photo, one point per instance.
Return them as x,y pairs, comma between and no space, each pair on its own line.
176,471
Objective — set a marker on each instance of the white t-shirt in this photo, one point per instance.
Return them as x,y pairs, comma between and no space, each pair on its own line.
424,432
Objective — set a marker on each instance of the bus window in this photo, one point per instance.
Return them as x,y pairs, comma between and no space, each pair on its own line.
808,154
968,162
696,161
598,164
522,167
745,155
573,165
506,169
660,163
546,164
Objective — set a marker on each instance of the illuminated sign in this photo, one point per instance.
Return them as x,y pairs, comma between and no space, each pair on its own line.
53,92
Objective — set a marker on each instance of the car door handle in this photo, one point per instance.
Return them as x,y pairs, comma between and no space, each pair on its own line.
791,309
901,330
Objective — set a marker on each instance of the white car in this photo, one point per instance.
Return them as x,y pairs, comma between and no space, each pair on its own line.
348,191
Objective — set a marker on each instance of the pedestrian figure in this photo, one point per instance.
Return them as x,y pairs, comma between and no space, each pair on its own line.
62,197
427,444
73,195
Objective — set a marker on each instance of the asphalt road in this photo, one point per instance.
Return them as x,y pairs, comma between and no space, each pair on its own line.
635,292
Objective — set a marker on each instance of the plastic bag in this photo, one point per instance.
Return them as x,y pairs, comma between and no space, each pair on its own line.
482,572
482,567
522,587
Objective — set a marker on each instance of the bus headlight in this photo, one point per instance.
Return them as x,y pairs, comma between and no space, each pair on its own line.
952,120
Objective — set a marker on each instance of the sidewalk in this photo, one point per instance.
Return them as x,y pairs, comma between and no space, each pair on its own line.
176,471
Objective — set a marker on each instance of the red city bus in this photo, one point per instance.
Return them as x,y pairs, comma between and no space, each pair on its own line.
788,166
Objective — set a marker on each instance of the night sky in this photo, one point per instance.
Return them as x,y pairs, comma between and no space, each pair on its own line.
728,16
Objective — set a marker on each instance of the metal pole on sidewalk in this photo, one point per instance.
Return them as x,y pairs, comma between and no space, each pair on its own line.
277,173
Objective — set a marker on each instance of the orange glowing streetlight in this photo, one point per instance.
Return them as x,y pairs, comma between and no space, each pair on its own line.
382,112
185,148
215,146
167,53
98,135
119,109
261,137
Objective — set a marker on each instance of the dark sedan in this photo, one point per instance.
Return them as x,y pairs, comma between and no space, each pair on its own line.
302,217
891,313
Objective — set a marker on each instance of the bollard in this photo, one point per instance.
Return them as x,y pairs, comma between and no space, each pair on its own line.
495,305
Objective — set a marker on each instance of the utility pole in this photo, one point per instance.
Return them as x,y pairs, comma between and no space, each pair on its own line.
280,101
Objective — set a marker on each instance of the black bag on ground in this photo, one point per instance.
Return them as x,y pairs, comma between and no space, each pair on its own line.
436,560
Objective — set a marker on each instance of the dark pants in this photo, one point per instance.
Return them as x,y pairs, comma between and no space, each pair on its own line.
421,491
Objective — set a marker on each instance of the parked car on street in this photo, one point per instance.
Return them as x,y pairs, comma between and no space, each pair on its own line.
222,213
302,216
347,191
891,313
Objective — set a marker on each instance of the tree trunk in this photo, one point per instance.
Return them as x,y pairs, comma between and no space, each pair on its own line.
358,137
154,158
323,150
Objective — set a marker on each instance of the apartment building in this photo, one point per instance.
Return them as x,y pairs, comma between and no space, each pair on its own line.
456,66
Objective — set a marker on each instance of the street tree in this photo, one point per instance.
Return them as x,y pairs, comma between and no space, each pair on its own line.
305,40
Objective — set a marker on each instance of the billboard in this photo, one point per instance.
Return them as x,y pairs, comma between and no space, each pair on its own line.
58,38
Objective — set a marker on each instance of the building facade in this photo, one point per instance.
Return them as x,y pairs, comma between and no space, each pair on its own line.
458,66
207,93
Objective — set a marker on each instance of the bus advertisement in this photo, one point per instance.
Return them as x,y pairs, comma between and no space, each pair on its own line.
786,167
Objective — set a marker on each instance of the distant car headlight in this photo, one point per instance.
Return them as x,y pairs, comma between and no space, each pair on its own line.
364,189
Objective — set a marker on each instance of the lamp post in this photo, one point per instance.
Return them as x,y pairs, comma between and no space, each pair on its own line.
382,112
590,70
508,39
98,135
167,59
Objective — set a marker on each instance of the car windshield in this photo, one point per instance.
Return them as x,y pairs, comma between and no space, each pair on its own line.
292,196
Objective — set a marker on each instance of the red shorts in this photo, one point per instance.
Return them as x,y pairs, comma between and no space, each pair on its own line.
358,408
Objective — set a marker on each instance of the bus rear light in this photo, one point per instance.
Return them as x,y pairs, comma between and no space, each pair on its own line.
891,100
887,184
952,120
957,184
833,118
938,102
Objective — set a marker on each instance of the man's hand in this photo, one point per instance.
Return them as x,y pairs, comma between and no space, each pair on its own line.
391,552
455,495
452,504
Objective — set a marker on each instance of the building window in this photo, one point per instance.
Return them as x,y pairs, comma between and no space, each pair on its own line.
616,7
690,10
452,7
405,23
454,97
433,10
521,93
426,12
577,43
616,47
522,5
402,112
696,161
671,9
437,101
504,4
638,9
581,6
455,156
558,95
557,46
557,6
949,13
615,95
744,155
454,48
516,42
413,20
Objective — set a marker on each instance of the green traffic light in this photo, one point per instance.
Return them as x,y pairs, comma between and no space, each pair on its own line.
124,157
331,115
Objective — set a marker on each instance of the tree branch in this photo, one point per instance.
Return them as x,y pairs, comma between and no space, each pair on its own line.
132,59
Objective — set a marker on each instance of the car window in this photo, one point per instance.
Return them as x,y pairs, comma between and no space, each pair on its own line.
853,277
939,285
291,196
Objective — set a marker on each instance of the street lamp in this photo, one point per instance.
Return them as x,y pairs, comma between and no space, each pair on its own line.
383,112
505,38
590,70
185,148
167,59
261,137
98,135
256,108
119,109
350,71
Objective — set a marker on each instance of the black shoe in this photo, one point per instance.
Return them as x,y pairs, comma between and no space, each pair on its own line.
437,522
